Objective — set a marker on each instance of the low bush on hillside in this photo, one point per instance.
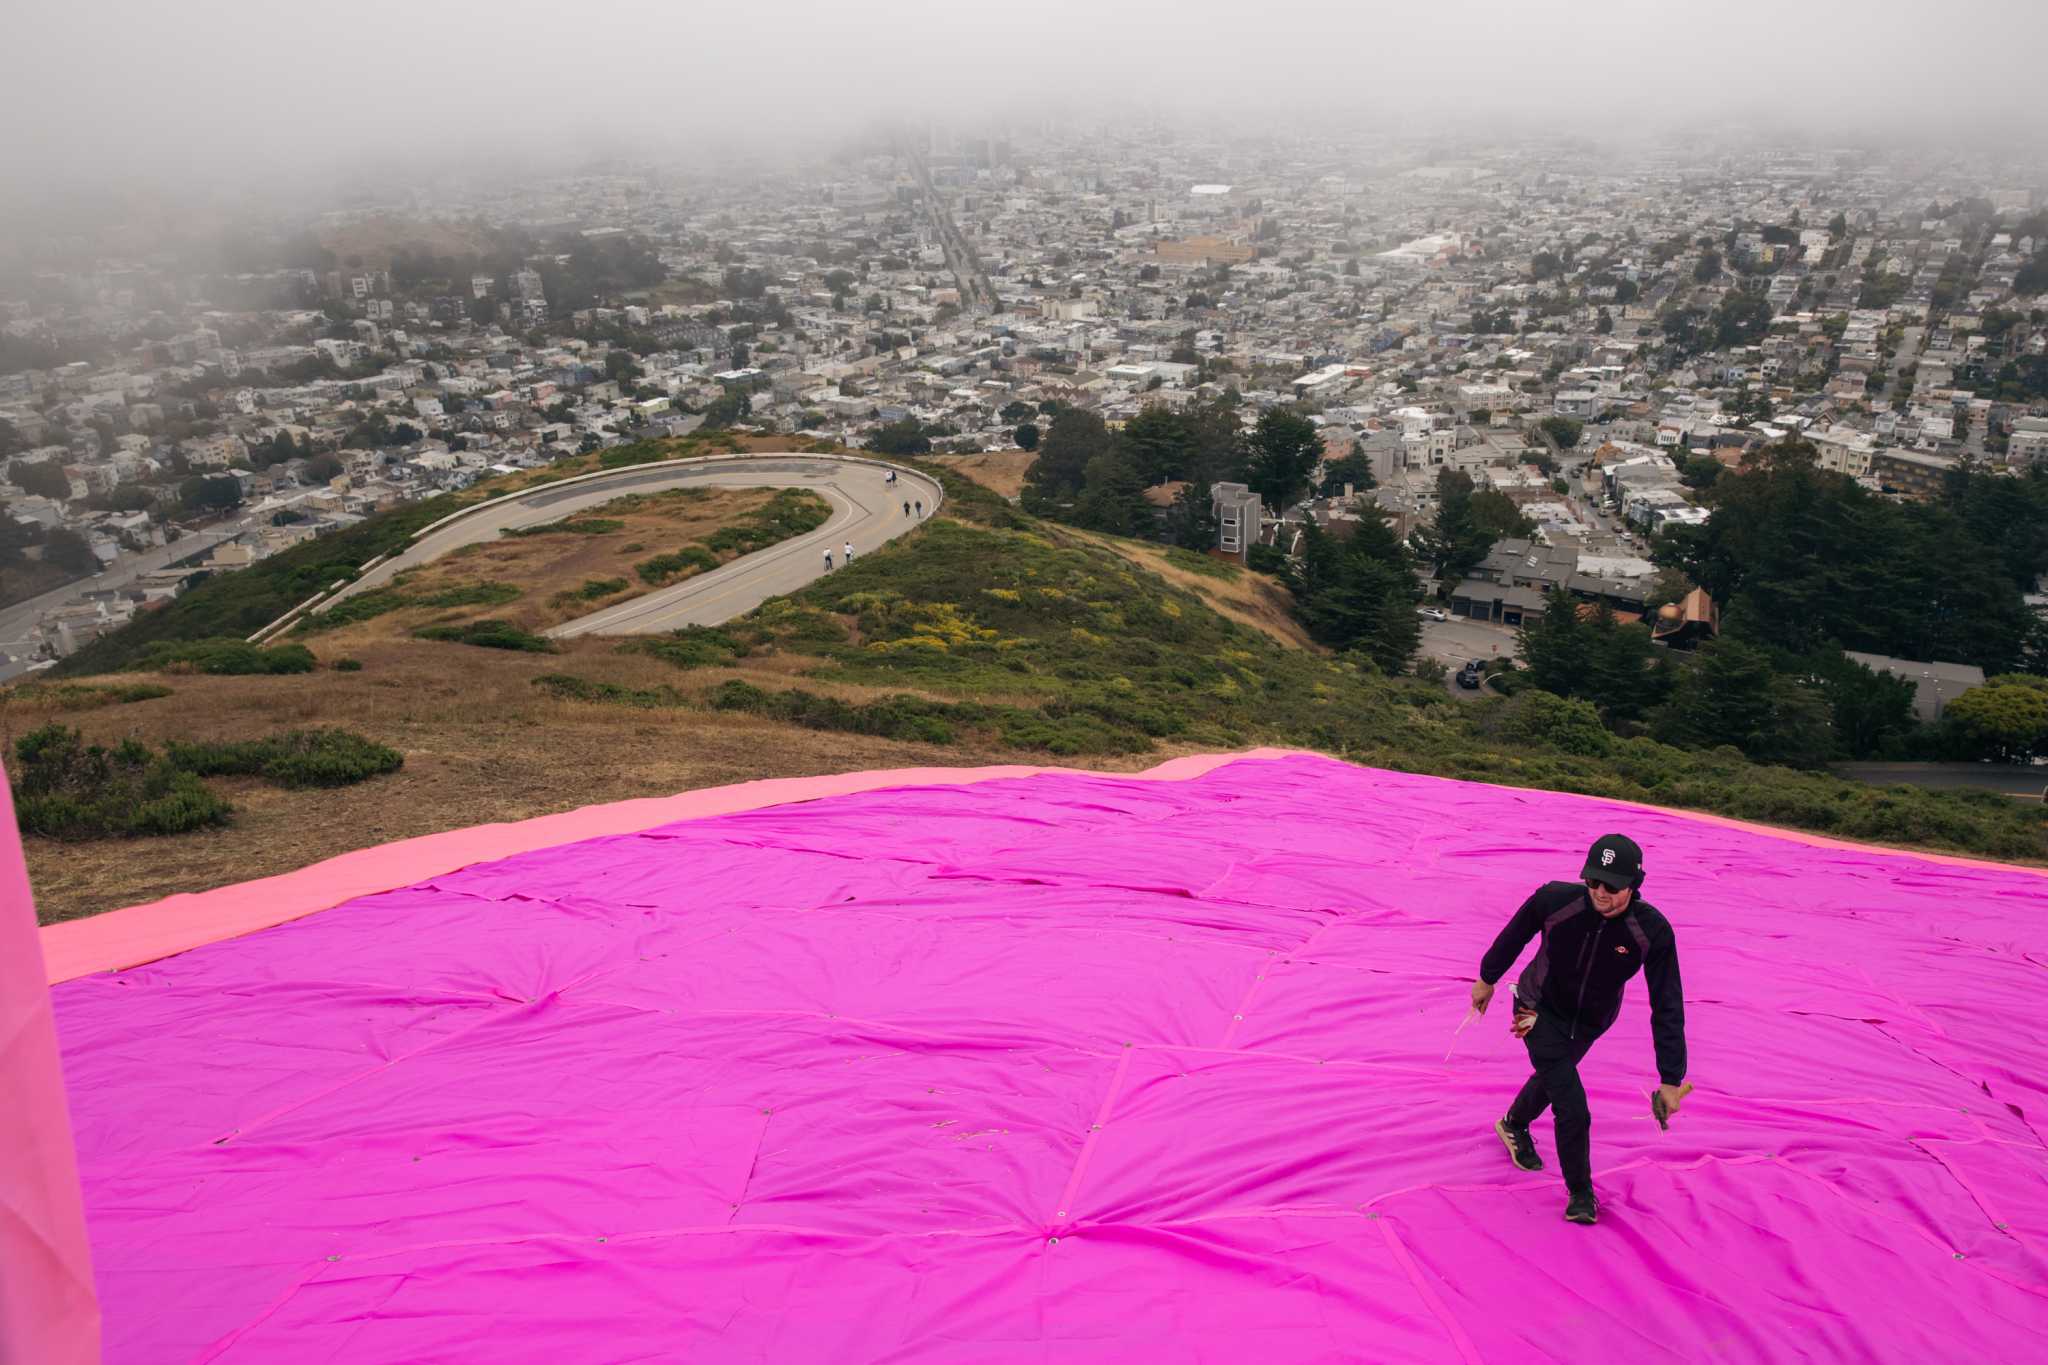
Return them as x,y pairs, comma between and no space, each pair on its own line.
890,717
67,789
667,568
377,602
1570,725
691,647
571,688
791,512
1057,729
297,758
489,633
81,696
222,656
485,594
1205,565
568,526
591,590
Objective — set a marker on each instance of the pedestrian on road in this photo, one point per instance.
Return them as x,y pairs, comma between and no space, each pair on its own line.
1569,995
849,552
906,509
891,478
920,507
828,559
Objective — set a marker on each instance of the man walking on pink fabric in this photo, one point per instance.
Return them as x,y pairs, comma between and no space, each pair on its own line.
1596,933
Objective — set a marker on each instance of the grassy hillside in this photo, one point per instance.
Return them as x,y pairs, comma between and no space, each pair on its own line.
982,636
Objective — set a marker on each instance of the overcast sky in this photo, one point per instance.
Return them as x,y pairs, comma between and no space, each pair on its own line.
106,92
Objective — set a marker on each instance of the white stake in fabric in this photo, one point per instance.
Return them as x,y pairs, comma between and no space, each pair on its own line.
1470,1014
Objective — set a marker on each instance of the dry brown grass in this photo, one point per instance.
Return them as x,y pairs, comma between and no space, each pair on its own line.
1000,471
546,566
481,744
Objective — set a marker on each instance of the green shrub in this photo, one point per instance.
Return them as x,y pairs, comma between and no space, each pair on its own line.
82,696
222,656
298,758
570,688
363,606
1266,559
1569,725
572,526
67,789
489,633
488,594
348,665
1206,565
691,647
595,588
684,563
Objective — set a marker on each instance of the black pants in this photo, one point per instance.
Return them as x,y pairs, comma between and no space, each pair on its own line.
1556,1055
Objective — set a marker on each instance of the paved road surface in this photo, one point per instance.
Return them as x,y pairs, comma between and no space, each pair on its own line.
1460,640
17,623
865,510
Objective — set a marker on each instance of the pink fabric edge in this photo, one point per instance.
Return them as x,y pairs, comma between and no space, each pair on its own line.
48,1310
159,929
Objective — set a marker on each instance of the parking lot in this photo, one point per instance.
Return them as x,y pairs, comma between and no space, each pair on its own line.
1459,639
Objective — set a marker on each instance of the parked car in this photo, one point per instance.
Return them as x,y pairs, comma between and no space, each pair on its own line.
1433,613
1471,675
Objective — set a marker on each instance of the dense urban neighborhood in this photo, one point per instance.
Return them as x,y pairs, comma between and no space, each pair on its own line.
1520,370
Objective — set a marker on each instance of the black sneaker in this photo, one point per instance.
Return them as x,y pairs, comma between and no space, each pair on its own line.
1583,1208
1521,1147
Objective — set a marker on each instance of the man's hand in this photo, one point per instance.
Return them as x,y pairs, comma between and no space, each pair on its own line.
1664,1103
1482,995
1524,1021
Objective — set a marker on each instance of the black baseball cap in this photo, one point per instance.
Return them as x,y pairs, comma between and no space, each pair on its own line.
1614,861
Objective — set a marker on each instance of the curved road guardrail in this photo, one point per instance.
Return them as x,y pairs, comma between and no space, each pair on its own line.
866,511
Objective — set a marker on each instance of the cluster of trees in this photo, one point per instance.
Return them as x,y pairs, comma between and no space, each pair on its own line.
1775,706
1741,318
1800,558
66,549
378,431
1089,476
43,477
1807,564
2006,719
1466,525
1358,593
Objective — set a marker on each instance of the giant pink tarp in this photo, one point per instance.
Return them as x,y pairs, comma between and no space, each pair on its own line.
1069,1067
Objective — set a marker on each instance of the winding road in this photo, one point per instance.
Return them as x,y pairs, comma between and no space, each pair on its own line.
866,510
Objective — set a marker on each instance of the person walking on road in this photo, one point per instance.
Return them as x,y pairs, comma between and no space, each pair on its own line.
920,507
1596,933
828,559
906,509
849,552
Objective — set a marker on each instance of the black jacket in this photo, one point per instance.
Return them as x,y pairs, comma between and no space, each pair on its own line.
1584,961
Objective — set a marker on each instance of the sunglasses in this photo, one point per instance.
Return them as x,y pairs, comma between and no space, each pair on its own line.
1592,885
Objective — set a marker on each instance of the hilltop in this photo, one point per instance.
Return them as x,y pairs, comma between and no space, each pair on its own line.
983,636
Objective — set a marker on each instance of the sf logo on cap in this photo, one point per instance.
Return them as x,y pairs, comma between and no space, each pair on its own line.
1606,857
